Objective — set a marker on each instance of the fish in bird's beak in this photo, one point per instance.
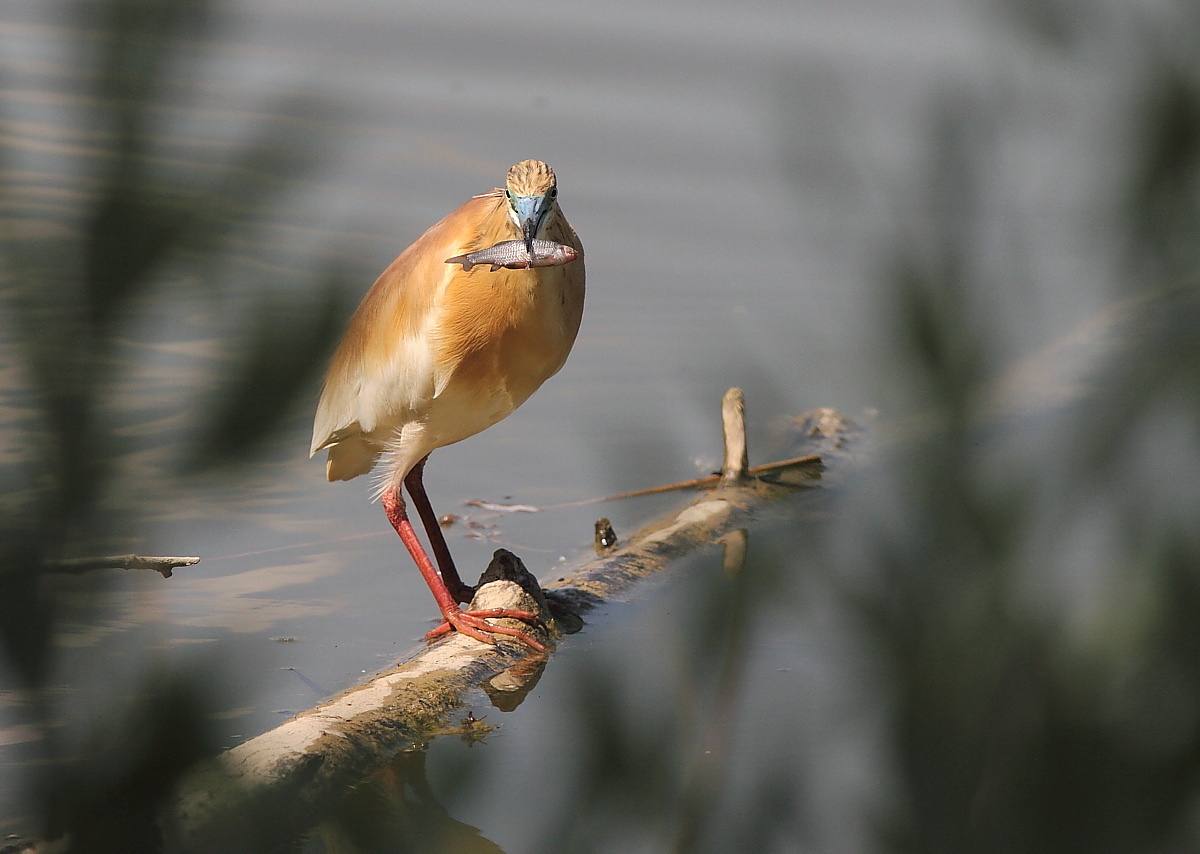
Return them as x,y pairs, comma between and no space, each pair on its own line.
531,213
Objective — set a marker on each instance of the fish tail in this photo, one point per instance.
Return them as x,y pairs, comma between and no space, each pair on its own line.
461,259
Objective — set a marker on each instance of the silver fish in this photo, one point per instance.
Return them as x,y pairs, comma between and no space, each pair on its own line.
512,254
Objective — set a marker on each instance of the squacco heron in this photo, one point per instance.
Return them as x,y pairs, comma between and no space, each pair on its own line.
436,353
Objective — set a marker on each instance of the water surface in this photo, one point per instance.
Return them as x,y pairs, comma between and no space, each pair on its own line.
737,174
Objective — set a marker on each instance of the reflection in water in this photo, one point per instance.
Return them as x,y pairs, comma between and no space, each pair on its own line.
396,810
509,689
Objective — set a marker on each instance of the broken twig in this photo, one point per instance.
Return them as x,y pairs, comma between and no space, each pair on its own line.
163,565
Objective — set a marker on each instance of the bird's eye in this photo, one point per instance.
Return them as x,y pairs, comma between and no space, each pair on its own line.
553,192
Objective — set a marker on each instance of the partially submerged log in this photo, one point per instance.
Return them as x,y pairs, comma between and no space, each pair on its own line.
289,778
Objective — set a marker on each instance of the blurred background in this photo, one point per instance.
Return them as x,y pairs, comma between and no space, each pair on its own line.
970,226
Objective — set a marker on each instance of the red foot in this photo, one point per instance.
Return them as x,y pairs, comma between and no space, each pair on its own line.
474,624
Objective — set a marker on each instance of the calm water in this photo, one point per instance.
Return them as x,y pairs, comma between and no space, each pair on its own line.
737,174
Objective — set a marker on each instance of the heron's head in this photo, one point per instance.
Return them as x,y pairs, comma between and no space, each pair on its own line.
530,190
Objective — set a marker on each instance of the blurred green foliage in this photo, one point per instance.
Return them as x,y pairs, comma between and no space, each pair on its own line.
139,222
1043,690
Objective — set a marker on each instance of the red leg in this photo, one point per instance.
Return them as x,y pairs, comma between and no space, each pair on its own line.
470,623
450,577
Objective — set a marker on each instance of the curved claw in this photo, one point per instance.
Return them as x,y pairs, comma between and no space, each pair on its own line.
474,624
